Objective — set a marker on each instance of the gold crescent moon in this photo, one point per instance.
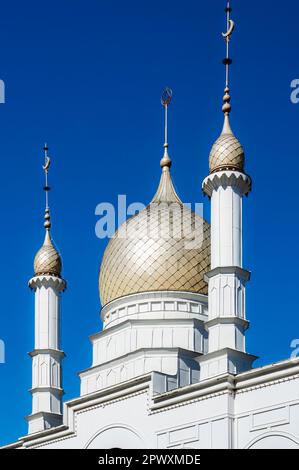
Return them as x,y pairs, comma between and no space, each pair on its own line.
47,164
230,30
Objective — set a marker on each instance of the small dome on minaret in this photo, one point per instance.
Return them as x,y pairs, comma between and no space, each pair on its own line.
227,152
47,260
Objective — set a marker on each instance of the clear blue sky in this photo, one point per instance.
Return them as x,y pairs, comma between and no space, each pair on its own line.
86,77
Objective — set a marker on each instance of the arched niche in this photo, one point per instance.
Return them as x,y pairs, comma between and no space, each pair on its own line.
275,441
116,437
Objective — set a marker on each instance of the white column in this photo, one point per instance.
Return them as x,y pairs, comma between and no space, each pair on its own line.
227,279
47,355
226,226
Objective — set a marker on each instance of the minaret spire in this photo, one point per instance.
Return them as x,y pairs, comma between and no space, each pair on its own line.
47,188
166,192
227,152
227,61
166,100
47,217
227,37
47,260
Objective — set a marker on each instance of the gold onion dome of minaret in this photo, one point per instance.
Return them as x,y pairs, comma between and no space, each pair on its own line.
47,260
227,152
154,251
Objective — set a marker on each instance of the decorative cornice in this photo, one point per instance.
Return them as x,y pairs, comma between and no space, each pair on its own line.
228,321
111,402
204,390
225,390
140,352
227,383
235,179
242,274
43,414
170,322
152,296
111,393
264,384
44,388
52,352
230,353
241,383
255,376
47,281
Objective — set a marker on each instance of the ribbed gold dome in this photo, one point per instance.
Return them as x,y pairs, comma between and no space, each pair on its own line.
47,260
227,154
153,251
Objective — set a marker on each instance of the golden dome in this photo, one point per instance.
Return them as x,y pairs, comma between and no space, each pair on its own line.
47,260
227,153
166,247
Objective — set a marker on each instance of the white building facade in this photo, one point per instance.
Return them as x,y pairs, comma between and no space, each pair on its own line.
170,368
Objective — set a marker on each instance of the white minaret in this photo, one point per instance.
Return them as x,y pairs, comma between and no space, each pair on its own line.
226,185
47,356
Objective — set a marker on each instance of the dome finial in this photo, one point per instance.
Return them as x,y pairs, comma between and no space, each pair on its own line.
227,153
47,188
47,260
166,191
226,108
166,100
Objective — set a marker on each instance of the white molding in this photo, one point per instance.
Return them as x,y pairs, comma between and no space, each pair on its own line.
148,305
239,181
170,322
54,282
241,273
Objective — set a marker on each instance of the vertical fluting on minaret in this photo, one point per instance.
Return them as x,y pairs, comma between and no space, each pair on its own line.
47,355
226,185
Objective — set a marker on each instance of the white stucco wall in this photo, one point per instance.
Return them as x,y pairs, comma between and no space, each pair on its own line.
257,409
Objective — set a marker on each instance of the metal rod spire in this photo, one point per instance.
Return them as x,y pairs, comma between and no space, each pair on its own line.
46,167
228,10
166,100
227,61
166,126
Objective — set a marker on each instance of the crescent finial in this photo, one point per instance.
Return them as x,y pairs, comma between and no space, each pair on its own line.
230,30
47,164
